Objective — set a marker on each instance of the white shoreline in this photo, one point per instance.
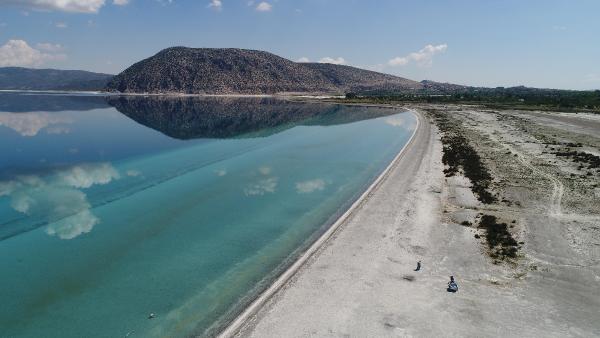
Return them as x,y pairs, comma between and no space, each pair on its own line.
234,327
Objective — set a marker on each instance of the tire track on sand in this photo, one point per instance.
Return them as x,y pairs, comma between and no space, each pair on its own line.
558,189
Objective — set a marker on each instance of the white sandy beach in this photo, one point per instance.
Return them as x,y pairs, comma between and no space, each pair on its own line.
362,283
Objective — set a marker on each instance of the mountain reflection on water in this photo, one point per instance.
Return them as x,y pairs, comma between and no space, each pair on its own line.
226,117
59,147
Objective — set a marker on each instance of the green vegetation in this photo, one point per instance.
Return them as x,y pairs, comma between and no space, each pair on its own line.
499,98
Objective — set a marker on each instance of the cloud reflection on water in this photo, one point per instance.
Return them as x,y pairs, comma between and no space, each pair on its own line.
30,124
400,122
58,199
307,187
265,170
262,187
84,176
73,226
395,121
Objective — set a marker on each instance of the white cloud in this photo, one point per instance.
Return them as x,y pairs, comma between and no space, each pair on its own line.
423,58
264,7
120,2
74,6
30,124
216,5
339,61
303,59
262,187
307,187
20,54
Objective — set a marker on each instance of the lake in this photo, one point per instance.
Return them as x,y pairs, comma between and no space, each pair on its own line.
112,208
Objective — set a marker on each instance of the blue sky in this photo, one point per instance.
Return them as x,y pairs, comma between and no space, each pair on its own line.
552,43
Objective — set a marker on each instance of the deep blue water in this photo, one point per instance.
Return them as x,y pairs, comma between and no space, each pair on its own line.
114,208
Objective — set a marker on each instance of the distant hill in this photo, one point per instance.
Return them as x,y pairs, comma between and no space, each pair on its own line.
241,71
17,78
23,102
442,87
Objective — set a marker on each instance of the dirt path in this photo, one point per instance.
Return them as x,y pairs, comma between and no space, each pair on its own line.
558,189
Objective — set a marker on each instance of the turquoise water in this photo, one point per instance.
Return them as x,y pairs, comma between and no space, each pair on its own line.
115,208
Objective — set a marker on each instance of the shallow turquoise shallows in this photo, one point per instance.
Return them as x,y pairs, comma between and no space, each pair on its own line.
115,208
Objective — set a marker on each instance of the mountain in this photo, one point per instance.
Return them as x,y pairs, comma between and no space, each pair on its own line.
15,102
17,78
241,71
352,79
434,87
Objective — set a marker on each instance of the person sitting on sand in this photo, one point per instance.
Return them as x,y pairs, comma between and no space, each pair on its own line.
418,266
452,286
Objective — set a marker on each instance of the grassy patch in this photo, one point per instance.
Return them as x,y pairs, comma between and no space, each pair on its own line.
581,157
500,241
460,155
